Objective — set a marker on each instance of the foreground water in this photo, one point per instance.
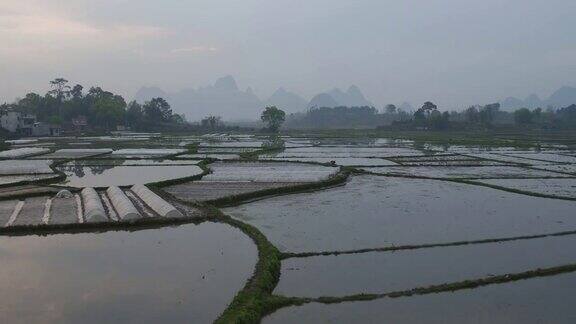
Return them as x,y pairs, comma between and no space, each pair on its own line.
540,300
381,272
179,274
372,211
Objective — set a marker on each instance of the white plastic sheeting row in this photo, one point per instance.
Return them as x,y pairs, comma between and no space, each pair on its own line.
156,203
93,209
122,204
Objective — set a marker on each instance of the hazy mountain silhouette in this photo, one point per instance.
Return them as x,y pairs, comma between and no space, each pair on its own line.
353,97
288,101
562,97
322,100
147,93
221,99
511,103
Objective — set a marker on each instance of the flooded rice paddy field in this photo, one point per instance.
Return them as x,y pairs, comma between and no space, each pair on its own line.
538,300
371,212
466,172
109,175
386,228
379,272
174,274
554,187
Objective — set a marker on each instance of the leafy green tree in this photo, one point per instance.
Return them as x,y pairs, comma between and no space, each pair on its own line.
428,107
472,115
177,119
157,110
108,110
523,116
134,115
274,117
488,113
31,103
211,122
76,92
60,88
390,109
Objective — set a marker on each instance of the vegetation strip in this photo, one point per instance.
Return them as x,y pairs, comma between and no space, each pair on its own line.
74,228
446,287
254,300
288,255
433,289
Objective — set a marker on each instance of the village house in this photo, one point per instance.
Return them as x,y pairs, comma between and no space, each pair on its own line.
22,124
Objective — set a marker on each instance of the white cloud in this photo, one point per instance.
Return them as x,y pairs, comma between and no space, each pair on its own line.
35,32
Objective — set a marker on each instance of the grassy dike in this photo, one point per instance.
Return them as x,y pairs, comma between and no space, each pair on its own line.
256,300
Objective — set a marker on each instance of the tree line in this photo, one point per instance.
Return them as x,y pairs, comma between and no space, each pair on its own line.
429,116
104,110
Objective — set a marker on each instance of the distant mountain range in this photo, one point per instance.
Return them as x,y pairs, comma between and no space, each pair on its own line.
336,97
224,98
562,97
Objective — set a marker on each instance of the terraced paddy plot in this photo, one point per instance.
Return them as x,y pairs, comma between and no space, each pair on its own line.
549,157
268,172
538,300
454,163
120,162
75,153
237,178
212,150
24,190
15,179
351,161
145,153
347,151
212,190
23,152
380,272
465,172
465,149
372,212
177,274
505,158
391,141
105,176
28,167
554,187
565,168
433,158
249,144
203,156
21,141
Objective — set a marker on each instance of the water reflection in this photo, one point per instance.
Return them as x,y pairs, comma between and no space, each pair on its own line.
78,174
182,274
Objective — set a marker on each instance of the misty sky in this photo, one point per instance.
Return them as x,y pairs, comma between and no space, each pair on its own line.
453,52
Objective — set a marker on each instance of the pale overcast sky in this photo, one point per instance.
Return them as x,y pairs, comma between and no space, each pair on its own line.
454,52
